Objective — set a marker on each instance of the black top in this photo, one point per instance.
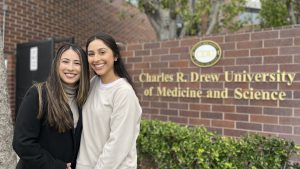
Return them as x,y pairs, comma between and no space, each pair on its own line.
38,145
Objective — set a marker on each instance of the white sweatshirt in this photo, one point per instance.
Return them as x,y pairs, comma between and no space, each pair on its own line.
111,123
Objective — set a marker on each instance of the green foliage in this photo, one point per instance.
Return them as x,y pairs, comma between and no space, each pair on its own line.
169,145
274,13
192,18
230,12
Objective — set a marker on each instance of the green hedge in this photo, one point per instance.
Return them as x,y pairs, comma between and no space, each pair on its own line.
169,145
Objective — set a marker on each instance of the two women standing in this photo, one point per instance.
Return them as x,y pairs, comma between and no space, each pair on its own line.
48,125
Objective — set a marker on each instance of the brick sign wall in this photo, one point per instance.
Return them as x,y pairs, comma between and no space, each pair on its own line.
255,87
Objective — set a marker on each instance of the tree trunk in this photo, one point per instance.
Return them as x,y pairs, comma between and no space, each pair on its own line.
7,156
214,16
290,6
161,20
163,24
297,10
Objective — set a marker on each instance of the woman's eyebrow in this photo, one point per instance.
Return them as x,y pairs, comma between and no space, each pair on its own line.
97,49
65,59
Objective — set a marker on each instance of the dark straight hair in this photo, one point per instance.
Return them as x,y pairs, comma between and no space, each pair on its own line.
119,66
58,109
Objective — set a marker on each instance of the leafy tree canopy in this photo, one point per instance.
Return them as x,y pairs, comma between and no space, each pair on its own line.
176,18
279,12
194,17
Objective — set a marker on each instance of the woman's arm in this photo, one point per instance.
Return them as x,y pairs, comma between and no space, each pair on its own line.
123,125
26,136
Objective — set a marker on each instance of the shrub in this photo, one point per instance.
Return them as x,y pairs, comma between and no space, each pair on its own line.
169,145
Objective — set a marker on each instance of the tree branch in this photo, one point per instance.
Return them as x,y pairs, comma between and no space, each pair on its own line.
214,16
290,6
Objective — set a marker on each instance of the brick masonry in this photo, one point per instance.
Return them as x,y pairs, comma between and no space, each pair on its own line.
253,51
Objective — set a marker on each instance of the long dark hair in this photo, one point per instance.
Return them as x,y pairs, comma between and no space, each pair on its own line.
119,67
58,109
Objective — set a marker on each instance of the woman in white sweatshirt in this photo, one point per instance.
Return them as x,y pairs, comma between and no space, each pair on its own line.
112,113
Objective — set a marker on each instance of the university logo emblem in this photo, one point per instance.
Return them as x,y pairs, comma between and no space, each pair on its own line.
205,53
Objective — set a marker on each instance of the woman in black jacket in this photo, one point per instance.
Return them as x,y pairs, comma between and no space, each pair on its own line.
48,125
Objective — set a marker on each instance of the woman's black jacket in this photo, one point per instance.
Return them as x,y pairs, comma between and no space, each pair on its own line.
38,145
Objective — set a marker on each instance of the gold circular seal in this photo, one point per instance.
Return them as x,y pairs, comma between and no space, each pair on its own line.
205,53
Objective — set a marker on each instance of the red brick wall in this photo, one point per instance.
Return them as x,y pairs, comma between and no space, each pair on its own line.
36,20
257,51
11,64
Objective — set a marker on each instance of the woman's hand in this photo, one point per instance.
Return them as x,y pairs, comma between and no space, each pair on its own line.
68,166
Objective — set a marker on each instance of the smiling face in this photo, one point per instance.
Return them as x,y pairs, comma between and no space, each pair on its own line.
101,59
69,67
